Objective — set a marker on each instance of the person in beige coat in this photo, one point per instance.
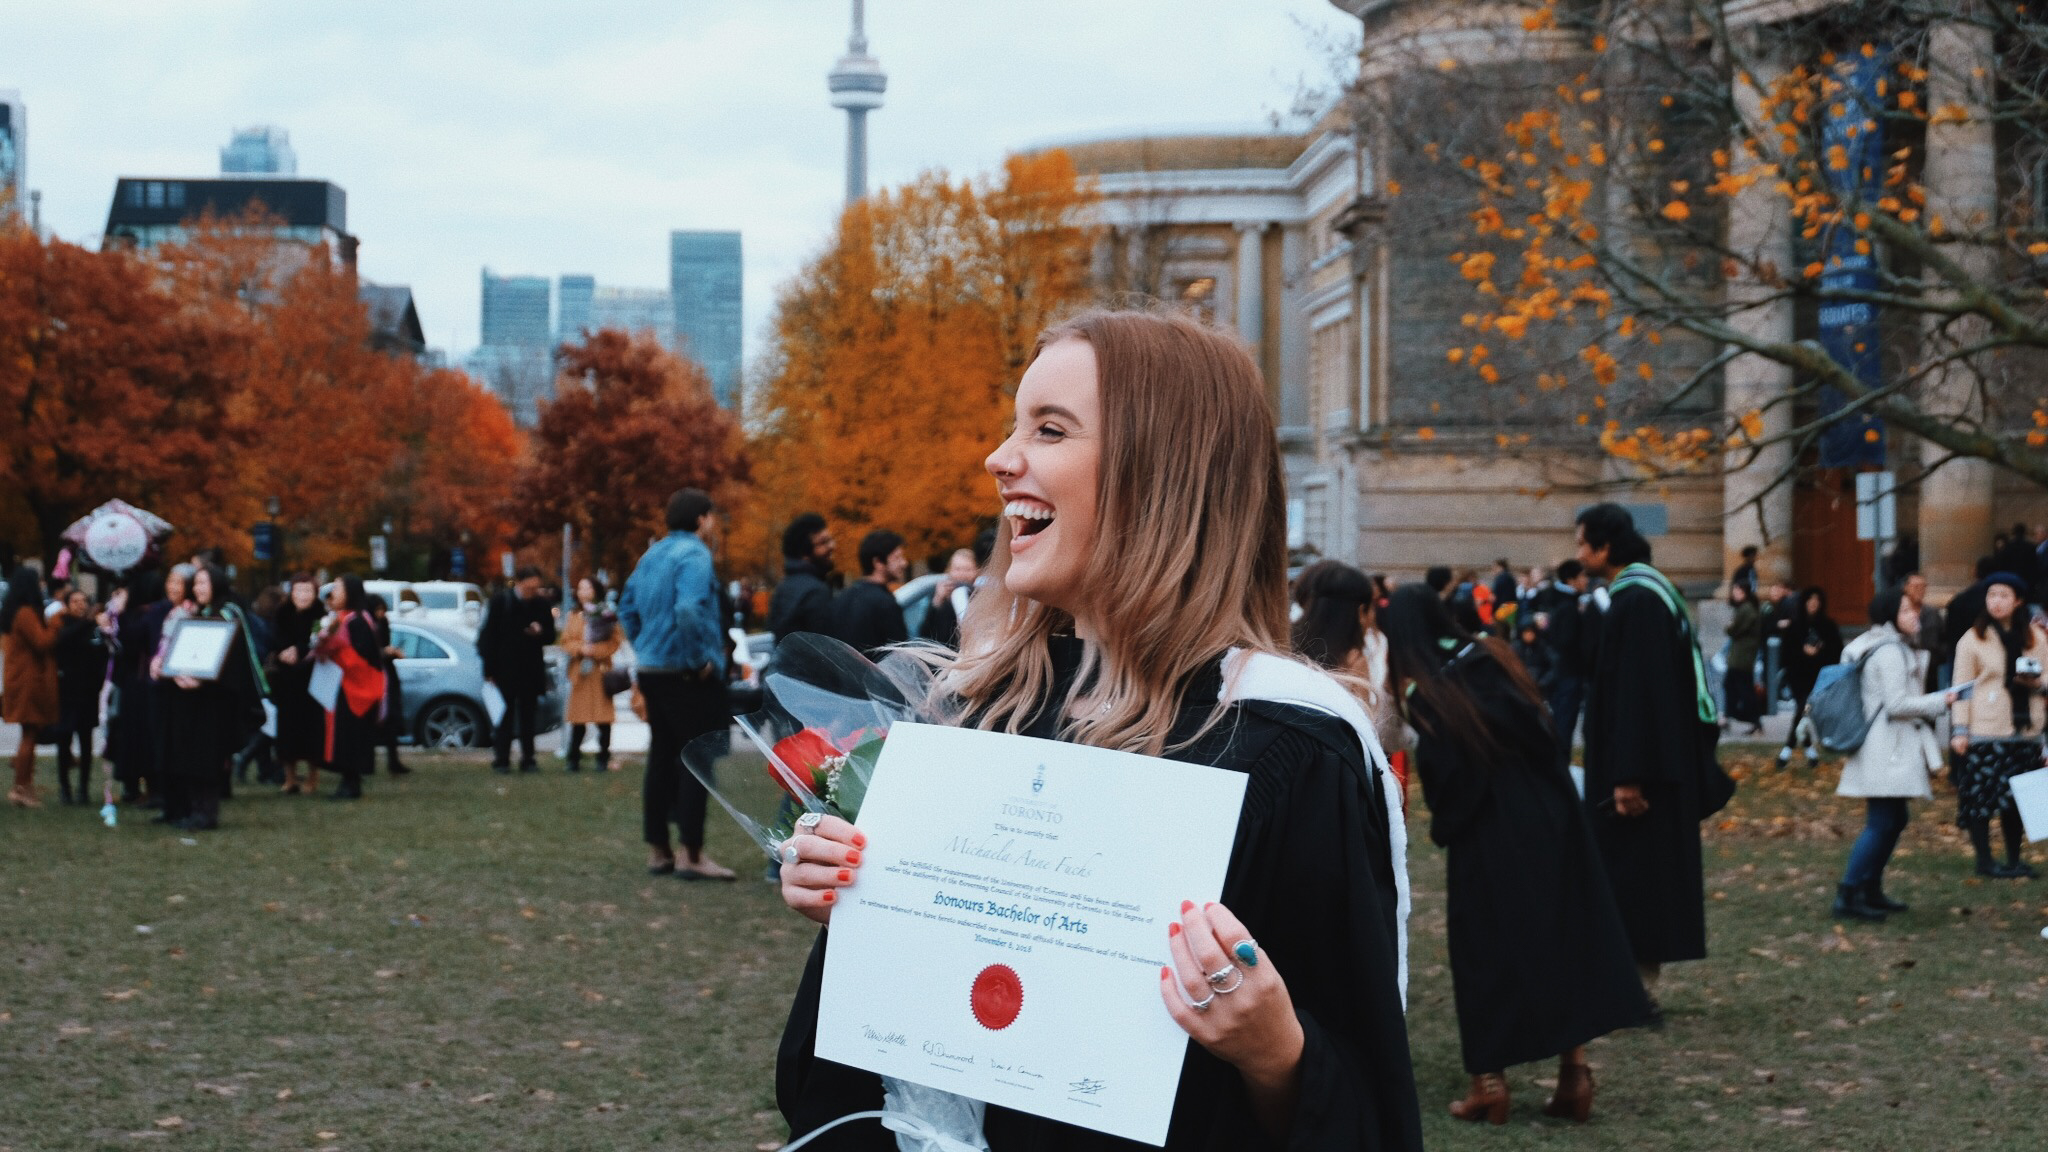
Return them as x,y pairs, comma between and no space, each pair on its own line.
1898,754
590,639
1997,728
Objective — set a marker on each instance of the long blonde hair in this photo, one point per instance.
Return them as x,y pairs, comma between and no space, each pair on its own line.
1190,557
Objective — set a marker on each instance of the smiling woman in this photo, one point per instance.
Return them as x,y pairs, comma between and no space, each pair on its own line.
1138,602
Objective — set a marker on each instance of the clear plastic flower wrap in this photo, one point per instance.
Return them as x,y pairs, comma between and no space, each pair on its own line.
826,710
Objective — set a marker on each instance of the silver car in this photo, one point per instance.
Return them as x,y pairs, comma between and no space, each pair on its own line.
441,680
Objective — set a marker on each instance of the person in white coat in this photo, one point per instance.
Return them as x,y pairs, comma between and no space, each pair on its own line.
1898,755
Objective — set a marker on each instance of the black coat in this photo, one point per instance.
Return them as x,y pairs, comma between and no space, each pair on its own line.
1567,632
514,658
801,603
866,616
81,672
301,722
1643,728
1820,632
1310,875
132,738
204,726
1539,960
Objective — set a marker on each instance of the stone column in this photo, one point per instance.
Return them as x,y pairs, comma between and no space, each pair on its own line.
1251,282
1759,230
1962,189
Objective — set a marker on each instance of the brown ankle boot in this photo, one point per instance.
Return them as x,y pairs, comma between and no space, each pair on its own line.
1574,1098
1487,1101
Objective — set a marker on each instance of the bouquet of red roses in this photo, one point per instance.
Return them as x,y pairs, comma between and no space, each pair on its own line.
826,711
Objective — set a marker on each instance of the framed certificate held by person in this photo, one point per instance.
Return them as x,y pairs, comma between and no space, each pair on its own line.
198,647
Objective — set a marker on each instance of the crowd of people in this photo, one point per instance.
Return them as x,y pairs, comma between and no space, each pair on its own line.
179,740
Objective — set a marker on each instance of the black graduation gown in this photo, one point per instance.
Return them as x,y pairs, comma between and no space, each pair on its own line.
1310,876
132,740
1539,961
1643,728
866,616
301,722
392,728
204,726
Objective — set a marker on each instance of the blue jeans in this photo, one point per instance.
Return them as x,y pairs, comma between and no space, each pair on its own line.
1873,848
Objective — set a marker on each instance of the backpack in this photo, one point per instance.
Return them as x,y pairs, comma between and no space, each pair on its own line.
1835,709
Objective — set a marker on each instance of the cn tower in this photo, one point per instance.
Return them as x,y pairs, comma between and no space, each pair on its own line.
857,84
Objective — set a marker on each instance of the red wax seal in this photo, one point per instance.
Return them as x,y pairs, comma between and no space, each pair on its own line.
997,997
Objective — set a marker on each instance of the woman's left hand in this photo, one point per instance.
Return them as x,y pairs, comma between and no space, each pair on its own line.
1251,1025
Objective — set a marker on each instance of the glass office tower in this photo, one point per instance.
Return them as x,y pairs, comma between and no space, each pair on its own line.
704,278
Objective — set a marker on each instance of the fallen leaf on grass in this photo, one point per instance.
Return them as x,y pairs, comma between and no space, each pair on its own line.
74,1030
767,1146
542,1094
273,906
609,1106
529,913
326,1135
483,1098
123,994
170,1123
222,1090
149,1134
386,973
174,899
284,1093
572,1045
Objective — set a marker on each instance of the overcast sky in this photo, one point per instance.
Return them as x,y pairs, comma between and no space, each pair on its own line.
571,136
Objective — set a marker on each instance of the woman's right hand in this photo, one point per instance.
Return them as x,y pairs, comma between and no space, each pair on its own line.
1961,744
288,656
827,859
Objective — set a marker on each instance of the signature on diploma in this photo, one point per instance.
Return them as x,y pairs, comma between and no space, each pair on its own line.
1086,1087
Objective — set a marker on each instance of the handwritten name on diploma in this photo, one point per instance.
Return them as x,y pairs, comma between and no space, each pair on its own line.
1006,936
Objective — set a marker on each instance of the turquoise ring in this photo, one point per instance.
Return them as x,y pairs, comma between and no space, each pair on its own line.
1247,952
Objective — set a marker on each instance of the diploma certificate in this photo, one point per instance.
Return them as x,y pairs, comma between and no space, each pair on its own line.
1004,938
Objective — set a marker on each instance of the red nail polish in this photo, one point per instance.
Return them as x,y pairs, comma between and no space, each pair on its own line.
829,896
853,856
1186,906
1166,973
1173,928
846,875
1208,906
859,841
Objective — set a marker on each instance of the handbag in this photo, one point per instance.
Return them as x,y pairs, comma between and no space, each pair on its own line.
617,680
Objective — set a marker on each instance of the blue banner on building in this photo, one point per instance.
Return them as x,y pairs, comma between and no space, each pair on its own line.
1852,147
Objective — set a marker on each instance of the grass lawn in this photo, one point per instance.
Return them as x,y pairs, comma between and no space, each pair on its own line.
472,961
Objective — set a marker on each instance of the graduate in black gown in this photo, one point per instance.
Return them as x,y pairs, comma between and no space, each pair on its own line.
205,722
301,722
1539,962
1650,738
1143,540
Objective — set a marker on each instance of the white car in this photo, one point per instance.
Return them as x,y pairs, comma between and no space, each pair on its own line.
451,603
398,595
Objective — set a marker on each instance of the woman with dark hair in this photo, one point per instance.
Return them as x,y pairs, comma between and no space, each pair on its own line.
138,611
1339,631
1897,755
391,729
1306,583
590,638
28,691
1137,600
350,641
301,722
1816,642
81,673
205,722
1996,730
1540,964
1745,638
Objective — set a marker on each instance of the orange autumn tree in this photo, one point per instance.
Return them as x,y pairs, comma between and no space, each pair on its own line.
202,379
108,387
897,350
1756,246
631,422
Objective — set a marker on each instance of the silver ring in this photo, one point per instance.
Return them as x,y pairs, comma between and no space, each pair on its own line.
1202,1005
1222,975
789,851
1223,990
809,821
